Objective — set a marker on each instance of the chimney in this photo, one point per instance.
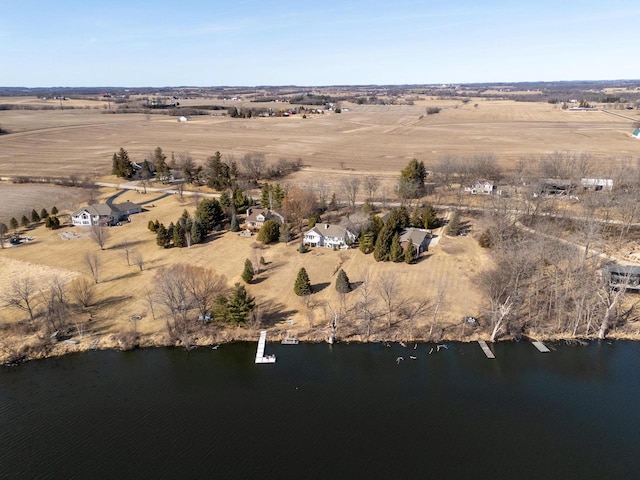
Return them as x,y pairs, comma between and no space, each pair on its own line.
326,225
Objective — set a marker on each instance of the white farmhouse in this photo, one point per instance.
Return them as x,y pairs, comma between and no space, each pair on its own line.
103,214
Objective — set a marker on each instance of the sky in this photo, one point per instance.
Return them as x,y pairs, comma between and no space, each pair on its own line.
132,43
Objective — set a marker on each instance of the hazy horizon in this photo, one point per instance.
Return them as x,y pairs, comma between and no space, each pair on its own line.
201,44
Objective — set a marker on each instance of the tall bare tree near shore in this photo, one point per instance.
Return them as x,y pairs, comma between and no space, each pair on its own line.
54,298
23,295
367,302
83,291
389,290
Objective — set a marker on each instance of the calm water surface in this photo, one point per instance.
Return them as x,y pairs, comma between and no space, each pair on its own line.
349,411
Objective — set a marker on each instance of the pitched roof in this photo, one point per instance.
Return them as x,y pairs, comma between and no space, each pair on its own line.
415,235
328,230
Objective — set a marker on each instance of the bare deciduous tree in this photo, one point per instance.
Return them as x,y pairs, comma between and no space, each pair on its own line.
22,295
254,166
389,290
138,259
126,251
371,185
204,286
297,205
100,235
92,263
83,291
350,187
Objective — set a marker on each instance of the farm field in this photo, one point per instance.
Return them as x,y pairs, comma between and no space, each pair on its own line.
367,138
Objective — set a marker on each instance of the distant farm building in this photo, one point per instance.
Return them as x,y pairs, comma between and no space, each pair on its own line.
482,187
597,184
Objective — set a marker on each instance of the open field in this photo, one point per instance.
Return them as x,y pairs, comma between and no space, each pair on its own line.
367,138
18,200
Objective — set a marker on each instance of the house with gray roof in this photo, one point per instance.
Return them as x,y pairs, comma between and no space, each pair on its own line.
257,216
329,236
419,237
104,214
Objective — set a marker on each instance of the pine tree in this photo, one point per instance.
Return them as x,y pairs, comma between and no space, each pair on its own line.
239,305
35,218
396,253
234,224
43,213
265,196
366,242
247,273
162,236
269,232
24,221
47,222
410,254
178,236
383,244
197,233
453,227
225,199
13,223
151,226
342,282
333,204
54,221
302,285
54,210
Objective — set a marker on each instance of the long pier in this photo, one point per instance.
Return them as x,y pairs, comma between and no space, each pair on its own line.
485,348
260,356
541,347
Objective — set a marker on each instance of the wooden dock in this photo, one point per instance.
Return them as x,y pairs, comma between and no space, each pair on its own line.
260,356
485,348
541,347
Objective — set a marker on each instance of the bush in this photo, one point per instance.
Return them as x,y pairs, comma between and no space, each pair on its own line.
342,282
485,240
433,110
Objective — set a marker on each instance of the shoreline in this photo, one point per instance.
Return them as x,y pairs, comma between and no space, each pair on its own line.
111,342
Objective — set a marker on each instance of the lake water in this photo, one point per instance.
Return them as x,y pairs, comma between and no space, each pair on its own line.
347,411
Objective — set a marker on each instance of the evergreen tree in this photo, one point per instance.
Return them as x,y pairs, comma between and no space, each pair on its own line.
43,213
54,210
209,212
410,254
55,222
265,196
342,282
121,165
453,227
269,232
240,201
13,223
234,224
383,244
197,232
24,221
239,305
277,196
396,254
366,242
35,218
47,222
302,285
247,273
162,236
225,199
151,226
218,172
178,236
159,160
314,219
412,177
170,230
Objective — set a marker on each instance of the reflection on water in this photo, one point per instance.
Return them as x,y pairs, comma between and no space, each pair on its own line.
346,411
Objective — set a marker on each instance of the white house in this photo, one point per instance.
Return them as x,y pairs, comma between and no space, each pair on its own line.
330,236
484,187
103,214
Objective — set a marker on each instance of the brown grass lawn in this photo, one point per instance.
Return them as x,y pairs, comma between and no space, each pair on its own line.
453,263
364,139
